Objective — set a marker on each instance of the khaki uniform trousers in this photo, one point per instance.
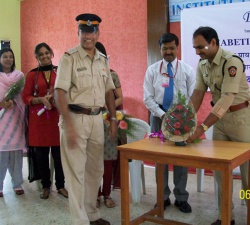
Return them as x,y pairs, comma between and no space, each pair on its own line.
83,166
225,130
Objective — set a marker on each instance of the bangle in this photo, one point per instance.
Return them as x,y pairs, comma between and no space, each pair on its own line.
38,100
113,118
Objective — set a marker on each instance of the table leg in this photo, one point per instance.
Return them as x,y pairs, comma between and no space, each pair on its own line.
125,211
200,179
160,189
248,201
226,196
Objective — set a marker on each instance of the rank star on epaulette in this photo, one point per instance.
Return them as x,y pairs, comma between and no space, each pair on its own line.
232,70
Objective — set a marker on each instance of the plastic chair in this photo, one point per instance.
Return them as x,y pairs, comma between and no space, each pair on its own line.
200,173
136,167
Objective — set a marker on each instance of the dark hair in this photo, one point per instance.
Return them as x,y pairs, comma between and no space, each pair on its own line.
14,63
168,37
208,33
43,44
101,48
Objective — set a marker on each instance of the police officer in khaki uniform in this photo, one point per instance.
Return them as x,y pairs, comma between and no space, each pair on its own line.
223,73
83,86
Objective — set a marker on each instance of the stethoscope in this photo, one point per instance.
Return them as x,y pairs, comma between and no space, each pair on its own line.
166,74
36,84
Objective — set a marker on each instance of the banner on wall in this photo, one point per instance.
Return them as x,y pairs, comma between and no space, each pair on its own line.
231,23
176,6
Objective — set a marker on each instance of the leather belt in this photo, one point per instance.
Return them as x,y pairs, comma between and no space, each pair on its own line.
234,108
80,110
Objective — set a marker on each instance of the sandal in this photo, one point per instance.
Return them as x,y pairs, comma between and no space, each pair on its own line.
63,192
19,192
1,194
45,193
98,202
108,201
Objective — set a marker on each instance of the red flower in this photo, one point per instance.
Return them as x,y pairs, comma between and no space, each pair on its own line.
167,120
177,125
123,125
178,116
177,132
186,128
179,107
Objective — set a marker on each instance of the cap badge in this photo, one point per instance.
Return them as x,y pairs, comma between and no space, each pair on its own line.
89,23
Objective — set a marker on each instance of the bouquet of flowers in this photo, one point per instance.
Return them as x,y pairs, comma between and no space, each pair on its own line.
180,120
13,91
125,126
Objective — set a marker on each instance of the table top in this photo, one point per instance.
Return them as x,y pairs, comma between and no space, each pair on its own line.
220,151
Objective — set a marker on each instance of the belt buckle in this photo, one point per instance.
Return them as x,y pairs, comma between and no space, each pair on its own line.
94,111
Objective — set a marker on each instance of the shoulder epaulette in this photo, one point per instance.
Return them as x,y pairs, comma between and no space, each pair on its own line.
69,52
103,55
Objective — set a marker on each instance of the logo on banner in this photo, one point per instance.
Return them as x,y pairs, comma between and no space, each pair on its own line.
246,16
176,6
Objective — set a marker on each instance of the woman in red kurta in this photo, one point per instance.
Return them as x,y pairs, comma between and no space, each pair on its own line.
43,133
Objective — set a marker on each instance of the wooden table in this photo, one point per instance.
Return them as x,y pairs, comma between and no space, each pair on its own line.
214,155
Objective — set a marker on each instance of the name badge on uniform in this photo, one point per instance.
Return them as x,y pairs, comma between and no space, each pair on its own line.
81,69
165,81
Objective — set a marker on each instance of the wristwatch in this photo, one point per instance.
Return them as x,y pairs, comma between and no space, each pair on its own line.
205,128
113,118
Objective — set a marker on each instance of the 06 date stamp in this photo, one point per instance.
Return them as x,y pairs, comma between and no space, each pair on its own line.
244,194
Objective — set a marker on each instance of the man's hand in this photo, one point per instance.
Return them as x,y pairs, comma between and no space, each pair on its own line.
71,137
198,132
113,130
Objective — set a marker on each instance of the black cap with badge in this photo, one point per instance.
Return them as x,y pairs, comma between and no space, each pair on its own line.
88,22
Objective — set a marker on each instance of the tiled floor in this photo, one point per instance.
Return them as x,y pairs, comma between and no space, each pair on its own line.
29,209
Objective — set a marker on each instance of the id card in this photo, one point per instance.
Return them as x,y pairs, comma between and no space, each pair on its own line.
165,81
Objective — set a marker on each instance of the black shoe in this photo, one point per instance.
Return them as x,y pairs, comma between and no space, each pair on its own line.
100,222
166,203
218,222
183,206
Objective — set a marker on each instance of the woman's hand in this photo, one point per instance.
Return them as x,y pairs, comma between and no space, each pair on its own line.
7,104
46,101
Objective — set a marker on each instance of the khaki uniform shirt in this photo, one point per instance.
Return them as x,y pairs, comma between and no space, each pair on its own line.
234,79
86,81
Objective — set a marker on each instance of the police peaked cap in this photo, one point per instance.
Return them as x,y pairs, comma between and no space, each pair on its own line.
88,19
